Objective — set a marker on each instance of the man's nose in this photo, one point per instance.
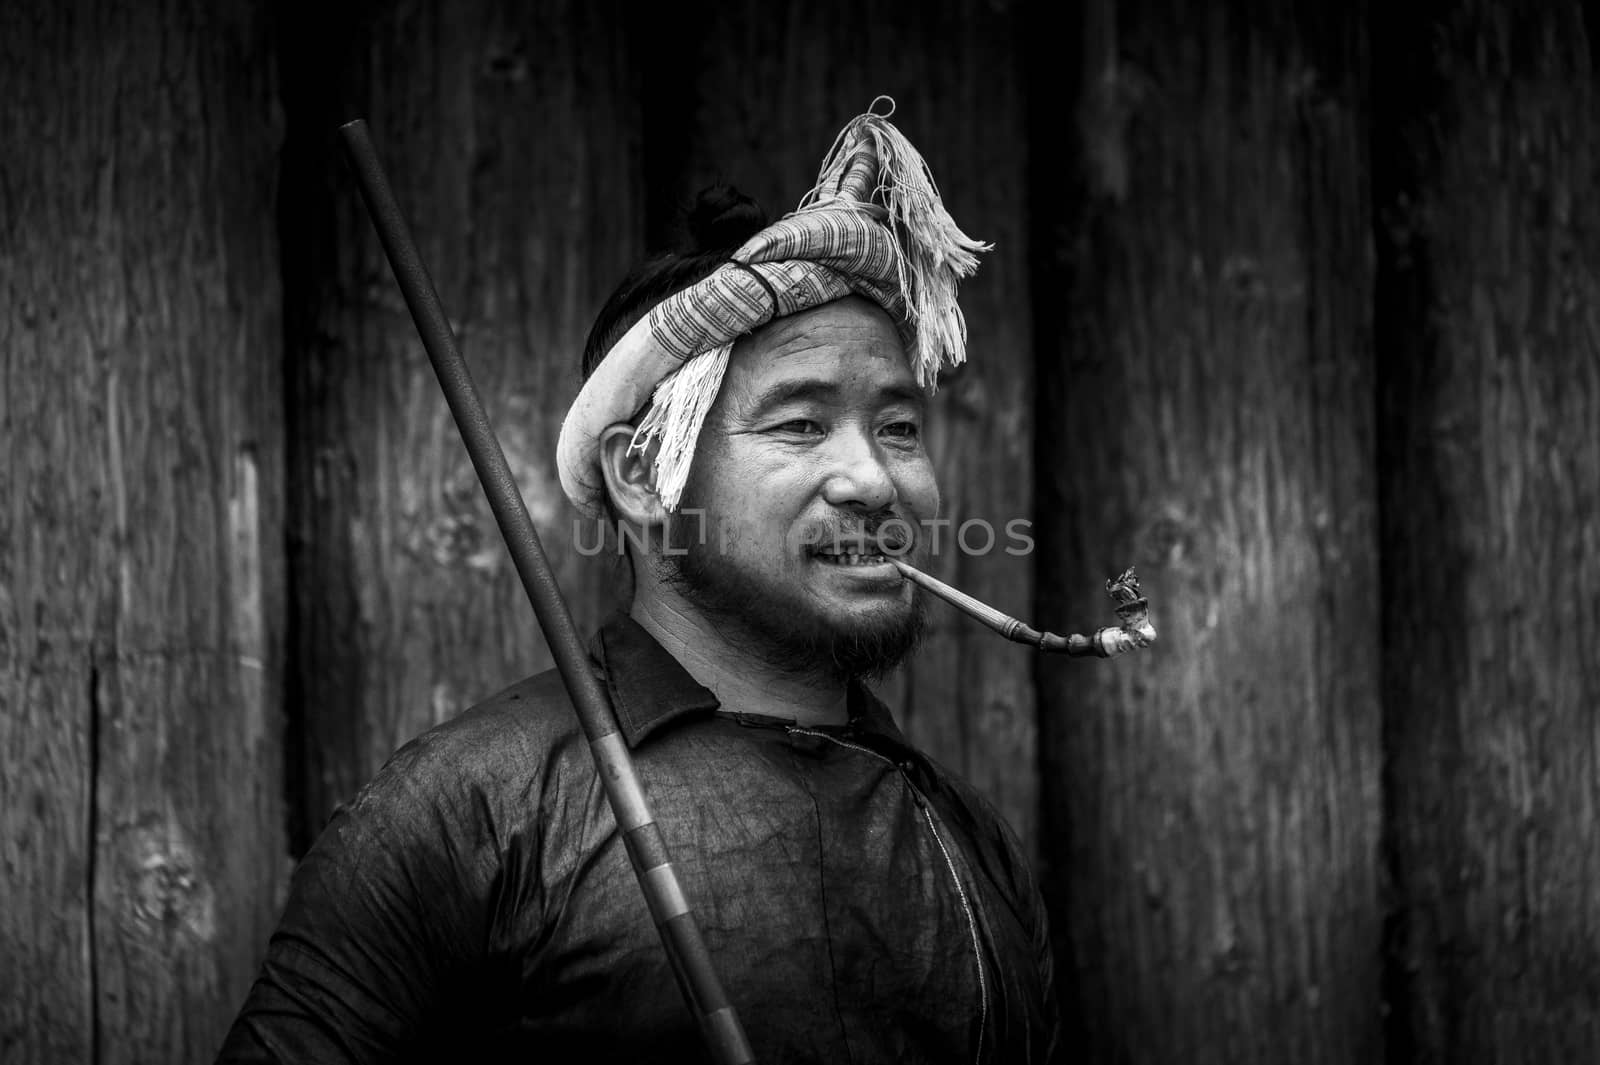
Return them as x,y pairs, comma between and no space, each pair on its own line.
857,475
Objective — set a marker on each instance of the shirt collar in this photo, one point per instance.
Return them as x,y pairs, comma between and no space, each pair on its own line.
870,717
650,689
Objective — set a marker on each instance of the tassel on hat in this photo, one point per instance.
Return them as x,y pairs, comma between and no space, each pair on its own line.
932,254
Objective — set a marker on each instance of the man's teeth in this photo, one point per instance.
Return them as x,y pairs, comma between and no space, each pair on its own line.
851,558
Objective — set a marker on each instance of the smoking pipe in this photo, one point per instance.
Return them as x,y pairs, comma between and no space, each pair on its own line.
1132,609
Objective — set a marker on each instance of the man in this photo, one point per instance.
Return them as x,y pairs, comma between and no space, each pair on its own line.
755,420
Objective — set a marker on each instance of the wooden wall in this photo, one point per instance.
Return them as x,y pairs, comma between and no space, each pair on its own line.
1212,812
1292,305
141,527
511,132
1489,348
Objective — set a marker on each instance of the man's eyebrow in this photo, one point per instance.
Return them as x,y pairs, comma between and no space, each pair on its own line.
824,391
903,393
791,391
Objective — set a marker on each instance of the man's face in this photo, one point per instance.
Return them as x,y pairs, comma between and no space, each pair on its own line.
810,463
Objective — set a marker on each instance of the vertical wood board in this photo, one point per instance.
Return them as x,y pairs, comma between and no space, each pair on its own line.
510,134
141,592
1489,303
1210,805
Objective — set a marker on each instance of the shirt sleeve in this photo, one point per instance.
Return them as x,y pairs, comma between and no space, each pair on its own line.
376,945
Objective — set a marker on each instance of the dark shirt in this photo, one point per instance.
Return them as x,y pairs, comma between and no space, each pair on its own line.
475,901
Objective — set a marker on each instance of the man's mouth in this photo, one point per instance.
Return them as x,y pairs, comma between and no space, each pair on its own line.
850,556
859,550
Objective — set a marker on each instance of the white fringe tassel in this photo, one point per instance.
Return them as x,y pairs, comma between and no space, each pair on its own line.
932,254
678,409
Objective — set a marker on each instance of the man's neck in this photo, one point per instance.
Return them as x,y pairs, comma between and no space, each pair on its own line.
742,682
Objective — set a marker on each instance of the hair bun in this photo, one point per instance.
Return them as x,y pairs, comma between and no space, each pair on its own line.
723,218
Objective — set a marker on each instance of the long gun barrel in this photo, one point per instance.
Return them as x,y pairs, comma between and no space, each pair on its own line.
691,961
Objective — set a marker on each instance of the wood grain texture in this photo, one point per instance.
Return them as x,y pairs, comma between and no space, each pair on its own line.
510,134
771,88
52,576
140,579
1490,346
1211,806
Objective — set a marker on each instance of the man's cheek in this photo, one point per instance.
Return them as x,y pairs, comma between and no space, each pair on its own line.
802,539
915,477
919,496
750,538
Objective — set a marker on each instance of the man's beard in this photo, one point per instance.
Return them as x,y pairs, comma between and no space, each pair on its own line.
790,635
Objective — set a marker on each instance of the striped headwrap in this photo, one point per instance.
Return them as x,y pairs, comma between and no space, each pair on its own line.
873,225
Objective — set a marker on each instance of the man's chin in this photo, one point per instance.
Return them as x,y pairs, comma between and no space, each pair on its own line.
839,632
870,652
861,639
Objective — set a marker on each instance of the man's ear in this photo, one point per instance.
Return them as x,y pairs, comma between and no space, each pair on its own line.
630,478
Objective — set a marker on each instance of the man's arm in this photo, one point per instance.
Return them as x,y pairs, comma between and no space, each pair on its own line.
376,945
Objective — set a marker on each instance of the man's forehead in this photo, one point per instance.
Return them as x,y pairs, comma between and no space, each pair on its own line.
852,331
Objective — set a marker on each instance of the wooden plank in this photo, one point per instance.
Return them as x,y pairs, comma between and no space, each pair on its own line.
1489,338
52,500
768,93
51,482
1211,807
141,589
510,133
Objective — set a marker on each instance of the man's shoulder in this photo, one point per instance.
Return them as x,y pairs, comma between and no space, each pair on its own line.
535,708
521,724
972,807
517,738
974,802
999,847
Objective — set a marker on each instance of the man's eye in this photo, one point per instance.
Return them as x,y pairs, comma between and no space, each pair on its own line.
803,426
902,430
